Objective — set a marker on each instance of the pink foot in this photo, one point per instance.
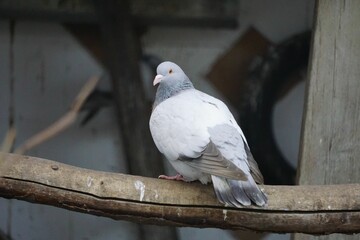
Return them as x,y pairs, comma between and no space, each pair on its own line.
177,177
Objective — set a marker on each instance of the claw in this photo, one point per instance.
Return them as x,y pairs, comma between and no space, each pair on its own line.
177,177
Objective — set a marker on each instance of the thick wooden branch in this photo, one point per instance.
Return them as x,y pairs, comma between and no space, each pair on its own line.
307,209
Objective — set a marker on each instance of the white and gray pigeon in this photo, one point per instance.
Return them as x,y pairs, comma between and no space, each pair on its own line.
200,137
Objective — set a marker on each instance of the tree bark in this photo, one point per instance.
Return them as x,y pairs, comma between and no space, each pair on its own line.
308,209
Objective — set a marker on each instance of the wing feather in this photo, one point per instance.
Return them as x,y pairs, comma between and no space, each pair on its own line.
211,161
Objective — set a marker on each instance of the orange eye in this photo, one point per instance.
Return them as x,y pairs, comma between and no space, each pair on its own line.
170,71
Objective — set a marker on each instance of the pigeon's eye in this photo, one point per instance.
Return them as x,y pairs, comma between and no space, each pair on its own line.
170,71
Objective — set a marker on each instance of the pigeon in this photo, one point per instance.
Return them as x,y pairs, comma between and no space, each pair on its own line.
199,136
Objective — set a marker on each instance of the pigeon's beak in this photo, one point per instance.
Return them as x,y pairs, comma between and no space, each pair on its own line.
157,79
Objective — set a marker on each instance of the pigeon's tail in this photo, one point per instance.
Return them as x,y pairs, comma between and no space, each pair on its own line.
237,193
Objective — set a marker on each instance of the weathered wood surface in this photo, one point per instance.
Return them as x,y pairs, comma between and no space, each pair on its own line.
308,209
188,13
331,131
123,51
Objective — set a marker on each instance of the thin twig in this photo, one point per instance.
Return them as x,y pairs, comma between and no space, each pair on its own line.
8,140
62,123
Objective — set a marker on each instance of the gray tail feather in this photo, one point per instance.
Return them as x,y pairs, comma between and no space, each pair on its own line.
237,193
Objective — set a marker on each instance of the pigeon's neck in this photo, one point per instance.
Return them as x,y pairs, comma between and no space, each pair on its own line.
168,89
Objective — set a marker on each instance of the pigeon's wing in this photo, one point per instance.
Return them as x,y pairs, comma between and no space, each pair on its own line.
224,155
232,146
211,161
227,159
231,128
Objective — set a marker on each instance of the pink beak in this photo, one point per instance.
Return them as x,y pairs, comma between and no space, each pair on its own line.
157,79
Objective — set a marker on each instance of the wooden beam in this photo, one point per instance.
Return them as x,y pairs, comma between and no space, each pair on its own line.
308,209
331,129
330,141
185,13
123,50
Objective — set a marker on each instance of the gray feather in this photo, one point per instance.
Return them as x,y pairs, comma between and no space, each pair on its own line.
211,161
232,186
237,193
172,84
251,190
224,193
231,144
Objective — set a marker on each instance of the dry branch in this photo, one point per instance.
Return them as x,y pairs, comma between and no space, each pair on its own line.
62,123
308,209
8,140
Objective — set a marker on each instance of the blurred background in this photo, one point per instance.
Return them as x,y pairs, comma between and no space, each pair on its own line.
251,54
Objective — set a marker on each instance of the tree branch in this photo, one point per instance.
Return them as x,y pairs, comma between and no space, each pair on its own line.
307,209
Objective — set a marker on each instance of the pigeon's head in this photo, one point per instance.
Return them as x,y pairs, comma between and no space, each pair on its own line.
168,72
171,80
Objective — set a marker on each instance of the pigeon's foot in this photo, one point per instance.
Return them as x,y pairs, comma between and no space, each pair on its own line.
177,177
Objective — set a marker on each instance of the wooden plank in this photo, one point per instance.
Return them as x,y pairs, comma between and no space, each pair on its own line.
122,48
309,209
331,129
232,67
188,13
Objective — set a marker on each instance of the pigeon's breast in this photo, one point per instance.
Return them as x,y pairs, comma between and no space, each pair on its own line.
179,125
